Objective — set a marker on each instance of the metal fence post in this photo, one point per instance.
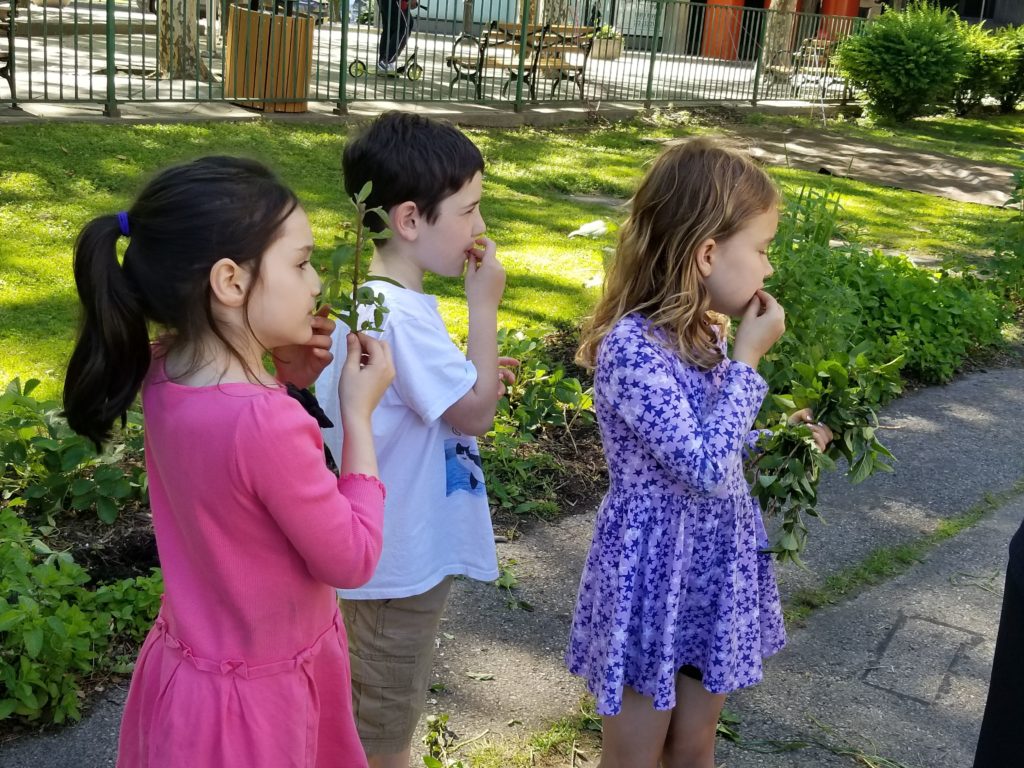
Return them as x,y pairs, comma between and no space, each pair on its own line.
760,52
522,56
659,13
341,108
110,108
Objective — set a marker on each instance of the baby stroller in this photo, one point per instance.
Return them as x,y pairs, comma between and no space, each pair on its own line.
411,68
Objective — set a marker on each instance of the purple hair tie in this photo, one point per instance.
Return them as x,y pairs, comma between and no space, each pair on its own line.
122,222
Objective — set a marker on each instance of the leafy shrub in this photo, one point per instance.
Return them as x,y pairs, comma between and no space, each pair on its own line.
988,64
519,474
54,631
542,396
1010,91
54,469
47,636
856,319
906,62
843,296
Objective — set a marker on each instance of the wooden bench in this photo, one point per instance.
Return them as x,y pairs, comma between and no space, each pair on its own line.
7,51
557,53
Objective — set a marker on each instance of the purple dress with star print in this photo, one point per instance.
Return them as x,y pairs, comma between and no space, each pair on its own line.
675,575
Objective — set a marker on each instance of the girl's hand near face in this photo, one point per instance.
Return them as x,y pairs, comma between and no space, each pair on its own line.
763,322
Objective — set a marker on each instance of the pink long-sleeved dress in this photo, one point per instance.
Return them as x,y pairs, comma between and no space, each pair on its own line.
247,664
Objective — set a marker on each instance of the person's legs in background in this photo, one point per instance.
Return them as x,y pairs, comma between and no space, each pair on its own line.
391,23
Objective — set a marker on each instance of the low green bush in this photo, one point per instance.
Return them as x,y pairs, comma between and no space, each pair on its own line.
54,631
55,470
857,320
520,474
840,295
1010,91
989,63
905,62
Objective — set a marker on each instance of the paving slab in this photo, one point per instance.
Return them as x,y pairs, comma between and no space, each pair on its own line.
900,672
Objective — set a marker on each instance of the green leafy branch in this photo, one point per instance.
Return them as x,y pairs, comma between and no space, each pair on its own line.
786,472
343,291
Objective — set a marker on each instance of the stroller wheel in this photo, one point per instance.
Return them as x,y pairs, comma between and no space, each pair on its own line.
414,72
357,68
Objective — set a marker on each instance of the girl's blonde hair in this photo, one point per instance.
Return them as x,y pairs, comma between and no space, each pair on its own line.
693,191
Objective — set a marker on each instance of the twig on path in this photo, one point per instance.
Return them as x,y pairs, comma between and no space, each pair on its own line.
461,744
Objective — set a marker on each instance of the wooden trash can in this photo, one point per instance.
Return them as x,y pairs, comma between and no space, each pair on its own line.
268,56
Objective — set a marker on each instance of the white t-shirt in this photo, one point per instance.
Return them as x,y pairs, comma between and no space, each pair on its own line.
436,518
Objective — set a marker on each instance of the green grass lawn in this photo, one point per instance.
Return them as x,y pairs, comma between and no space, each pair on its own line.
56,177
907,222
988,139
59,176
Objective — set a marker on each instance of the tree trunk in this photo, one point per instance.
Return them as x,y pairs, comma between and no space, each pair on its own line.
178,45
778,36
557,11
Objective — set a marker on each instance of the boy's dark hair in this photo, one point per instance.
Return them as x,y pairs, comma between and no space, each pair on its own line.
409,157
185,220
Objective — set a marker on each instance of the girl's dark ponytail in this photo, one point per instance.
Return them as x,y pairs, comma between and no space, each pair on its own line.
184,221
112,353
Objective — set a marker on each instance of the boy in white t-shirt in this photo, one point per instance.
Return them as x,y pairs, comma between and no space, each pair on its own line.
427,176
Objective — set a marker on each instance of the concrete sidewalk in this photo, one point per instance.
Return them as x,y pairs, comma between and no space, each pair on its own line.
899,671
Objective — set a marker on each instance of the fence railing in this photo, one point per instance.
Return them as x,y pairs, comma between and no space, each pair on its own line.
282,54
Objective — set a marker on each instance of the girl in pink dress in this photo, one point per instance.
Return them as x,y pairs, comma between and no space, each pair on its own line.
247,663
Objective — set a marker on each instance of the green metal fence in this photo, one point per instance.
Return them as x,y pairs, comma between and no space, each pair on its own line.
284,54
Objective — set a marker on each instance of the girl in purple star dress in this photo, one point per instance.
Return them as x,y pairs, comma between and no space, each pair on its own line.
678,603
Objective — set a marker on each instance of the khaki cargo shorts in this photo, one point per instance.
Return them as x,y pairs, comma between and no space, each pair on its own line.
391,646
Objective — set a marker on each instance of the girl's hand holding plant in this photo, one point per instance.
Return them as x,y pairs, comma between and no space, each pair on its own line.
367,372
822,434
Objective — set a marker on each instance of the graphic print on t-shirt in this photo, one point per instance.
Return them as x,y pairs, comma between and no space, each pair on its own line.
463,468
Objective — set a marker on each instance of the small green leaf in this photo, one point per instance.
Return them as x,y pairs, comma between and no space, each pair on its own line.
106,509
33,643
362,194
342,256
81,486
9,619
7,708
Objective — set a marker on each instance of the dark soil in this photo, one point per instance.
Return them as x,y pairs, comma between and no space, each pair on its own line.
109,552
